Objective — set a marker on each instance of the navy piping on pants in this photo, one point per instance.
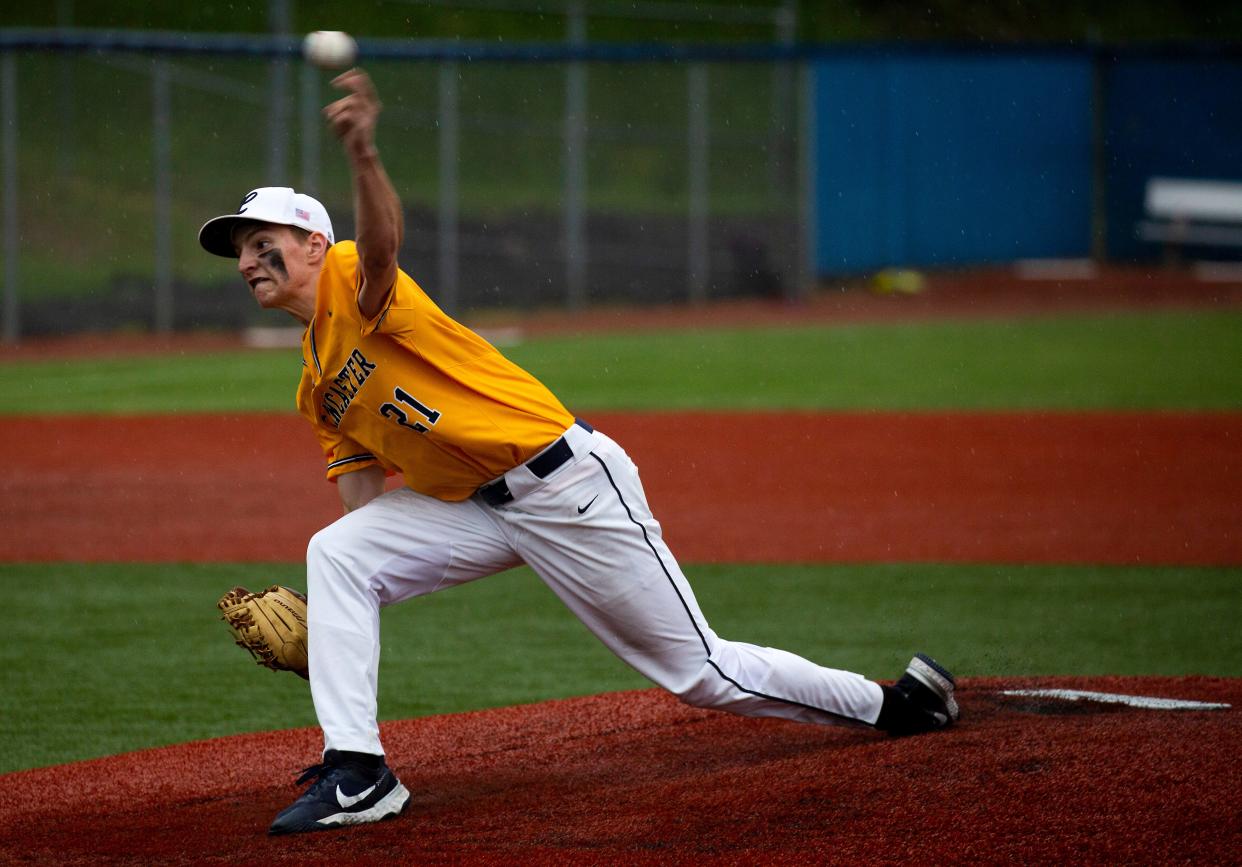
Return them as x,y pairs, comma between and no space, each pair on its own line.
686,608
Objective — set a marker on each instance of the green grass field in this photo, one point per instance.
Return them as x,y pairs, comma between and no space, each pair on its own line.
1135,361
130,656
91,672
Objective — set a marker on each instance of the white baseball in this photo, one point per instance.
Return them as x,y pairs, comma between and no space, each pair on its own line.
330,49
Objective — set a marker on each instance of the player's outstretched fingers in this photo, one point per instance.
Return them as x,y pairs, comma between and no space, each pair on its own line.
361,90
341,115
353,117
356,81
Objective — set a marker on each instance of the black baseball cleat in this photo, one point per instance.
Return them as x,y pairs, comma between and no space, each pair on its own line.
350,789
921,701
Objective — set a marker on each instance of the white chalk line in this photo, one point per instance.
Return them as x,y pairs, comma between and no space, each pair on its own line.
1142,701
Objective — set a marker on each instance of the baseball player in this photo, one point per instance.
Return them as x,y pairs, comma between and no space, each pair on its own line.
497,472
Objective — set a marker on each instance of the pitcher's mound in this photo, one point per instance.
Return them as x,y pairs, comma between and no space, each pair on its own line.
637,778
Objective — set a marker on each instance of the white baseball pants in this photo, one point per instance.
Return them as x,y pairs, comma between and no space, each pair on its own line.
587,531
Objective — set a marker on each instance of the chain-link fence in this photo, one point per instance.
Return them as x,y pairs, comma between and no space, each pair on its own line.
527,182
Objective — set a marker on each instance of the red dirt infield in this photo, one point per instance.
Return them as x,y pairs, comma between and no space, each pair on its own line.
637,778
1116,488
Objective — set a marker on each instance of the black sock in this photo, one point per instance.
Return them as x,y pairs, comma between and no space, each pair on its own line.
366,760
894,708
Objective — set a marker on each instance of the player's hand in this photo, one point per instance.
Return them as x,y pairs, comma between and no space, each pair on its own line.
353,117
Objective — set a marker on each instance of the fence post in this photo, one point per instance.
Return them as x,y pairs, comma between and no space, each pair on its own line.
698,145
575,164
8,143
782,154
312,124
161,134
278,103
448,292
66,144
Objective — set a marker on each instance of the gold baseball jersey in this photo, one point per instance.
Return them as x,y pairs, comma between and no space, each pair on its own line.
414,391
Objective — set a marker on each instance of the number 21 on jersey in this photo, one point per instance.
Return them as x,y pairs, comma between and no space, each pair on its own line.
401,417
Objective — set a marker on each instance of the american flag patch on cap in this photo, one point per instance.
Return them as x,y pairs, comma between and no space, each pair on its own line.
301,215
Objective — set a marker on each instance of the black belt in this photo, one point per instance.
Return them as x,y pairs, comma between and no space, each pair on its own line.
542,465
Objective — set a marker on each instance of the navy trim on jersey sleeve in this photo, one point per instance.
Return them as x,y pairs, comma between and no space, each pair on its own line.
353,459
314,350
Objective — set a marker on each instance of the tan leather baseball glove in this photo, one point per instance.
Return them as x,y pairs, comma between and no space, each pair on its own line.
271,624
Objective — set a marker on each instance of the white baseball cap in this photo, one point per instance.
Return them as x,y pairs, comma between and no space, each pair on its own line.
281,205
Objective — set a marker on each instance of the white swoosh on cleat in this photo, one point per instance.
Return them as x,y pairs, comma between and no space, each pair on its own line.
348,801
